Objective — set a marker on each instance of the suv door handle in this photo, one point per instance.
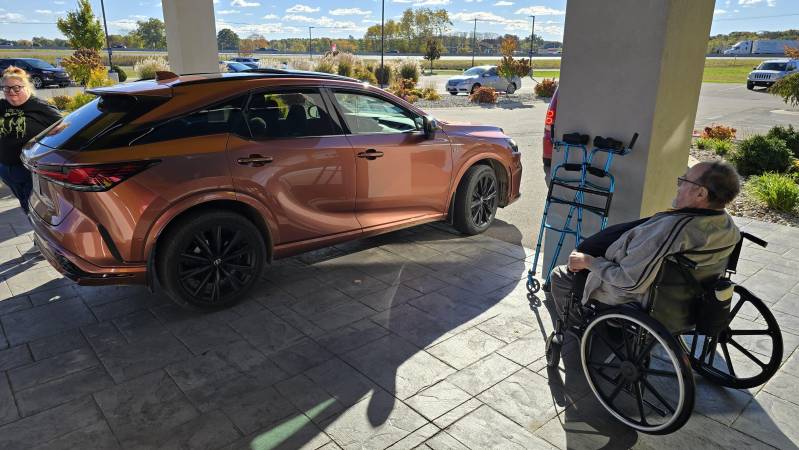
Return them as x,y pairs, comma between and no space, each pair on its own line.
255,160
370,154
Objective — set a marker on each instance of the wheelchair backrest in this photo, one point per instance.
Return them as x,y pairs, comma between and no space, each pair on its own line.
675,293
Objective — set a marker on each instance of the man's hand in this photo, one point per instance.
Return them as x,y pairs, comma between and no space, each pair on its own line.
579,261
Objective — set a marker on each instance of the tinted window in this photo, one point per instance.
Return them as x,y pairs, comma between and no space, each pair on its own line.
474,71
773,66
224,117
39,64
289,114
98,119
492,72
366,114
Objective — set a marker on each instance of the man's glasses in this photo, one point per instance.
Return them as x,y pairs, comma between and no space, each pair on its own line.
681,180
14,89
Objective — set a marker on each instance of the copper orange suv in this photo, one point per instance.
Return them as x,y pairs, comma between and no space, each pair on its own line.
197,182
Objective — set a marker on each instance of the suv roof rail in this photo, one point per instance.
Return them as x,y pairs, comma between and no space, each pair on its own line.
301,74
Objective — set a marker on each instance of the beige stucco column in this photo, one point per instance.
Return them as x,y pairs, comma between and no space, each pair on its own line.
191,36
633,66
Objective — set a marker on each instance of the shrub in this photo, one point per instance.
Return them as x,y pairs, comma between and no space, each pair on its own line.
362,73
702,143
787,135
383,74
408,69
98,78
484,95
787,87
301,64
411,98
61,102
81,64
121,73
546,88
430,94
346,64
147,67
759,154
719,132
404,88
79,100
777,191
325,65
722,148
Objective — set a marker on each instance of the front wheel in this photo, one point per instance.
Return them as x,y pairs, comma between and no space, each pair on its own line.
475,87
476,200
37,82
211,260
511,88
750,85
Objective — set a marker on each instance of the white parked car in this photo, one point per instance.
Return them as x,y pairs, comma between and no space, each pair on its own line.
769,71
482,76
249,62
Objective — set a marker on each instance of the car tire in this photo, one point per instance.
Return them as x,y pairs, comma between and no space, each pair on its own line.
750,85
475,87
476,200
37,82
453,93
210,260
511,88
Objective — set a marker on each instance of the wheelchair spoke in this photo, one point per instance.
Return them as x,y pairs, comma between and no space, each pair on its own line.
659,373
616,391
712,355
599,365
746,353
750,332
610,346
645,352
639,398
727,358
735,309
658,396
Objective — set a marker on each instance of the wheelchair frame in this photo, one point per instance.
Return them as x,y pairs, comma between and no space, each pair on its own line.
641,332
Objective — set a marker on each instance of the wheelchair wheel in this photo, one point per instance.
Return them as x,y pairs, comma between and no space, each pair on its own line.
742,356
637,371
553,348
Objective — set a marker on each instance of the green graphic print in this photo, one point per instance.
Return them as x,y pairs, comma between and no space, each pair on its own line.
13,122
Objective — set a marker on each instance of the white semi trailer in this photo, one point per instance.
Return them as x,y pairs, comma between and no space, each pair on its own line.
762,47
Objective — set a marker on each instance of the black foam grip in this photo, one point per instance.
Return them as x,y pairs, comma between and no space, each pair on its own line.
576,139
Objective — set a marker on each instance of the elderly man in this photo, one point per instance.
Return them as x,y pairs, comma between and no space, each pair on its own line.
624,260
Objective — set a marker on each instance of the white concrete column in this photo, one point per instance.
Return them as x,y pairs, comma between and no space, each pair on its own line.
633,66
191,36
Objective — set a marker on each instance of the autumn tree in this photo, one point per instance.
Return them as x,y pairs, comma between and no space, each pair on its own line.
82,28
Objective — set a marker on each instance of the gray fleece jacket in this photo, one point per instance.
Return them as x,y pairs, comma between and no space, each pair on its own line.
632,262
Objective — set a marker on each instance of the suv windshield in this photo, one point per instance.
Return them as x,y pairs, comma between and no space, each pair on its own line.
39,64
474,71
780,66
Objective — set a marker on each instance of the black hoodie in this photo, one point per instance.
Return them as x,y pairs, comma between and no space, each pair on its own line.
19,124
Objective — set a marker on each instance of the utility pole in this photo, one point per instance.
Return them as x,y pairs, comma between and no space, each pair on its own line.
532,38
382,33
107,43
474,40
310,47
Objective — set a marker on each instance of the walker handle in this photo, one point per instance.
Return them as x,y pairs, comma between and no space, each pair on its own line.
632,141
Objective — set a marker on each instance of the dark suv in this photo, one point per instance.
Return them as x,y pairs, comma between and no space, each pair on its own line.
199,181
41,72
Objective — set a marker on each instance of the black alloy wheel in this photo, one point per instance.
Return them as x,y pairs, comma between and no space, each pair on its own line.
477,200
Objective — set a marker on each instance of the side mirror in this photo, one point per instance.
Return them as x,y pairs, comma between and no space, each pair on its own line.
430,126
754,68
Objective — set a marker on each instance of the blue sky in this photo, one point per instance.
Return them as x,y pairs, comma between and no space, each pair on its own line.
291,18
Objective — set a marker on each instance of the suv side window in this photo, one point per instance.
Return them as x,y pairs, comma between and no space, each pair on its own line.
367,114
492,72
289,113
224,117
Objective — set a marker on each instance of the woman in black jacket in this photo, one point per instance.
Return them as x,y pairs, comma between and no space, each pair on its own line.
22,116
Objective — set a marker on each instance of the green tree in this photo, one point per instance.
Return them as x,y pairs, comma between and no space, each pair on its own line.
227,39
787,87
82,28
432,52
152,33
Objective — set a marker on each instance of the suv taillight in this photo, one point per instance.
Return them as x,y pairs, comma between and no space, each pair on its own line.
95,178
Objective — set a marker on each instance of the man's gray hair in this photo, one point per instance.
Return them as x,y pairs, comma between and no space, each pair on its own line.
722,183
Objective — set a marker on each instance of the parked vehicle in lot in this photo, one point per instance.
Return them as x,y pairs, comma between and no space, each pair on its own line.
41,72
197,182
487,76
768,72
761,47
252,63
233,66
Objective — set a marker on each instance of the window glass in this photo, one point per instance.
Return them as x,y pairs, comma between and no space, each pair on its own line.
474,71
492,71
283,114
772,66
366,114
225,117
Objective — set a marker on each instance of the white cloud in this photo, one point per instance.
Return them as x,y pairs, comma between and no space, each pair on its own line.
771,3
11,16
126,25
718,12
401,1
747,3
270,16
323,21
244,4
370,21
503,3
299,8
225,12
58,2
540,11
349,12
432,2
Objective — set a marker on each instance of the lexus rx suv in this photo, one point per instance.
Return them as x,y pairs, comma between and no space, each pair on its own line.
196,183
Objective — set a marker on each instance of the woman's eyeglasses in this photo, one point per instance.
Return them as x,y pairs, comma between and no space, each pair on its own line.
14,89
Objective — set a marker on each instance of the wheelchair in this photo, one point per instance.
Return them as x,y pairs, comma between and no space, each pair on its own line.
638,359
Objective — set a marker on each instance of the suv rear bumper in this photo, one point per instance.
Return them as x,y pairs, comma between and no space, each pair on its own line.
76,268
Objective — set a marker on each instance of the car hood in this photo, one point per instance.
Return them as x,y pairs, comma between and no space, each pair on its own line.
463,78
475,130
766,71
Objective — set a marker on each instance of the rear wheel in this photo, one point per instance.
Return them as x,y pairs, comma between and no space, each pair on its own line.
476,200
211,260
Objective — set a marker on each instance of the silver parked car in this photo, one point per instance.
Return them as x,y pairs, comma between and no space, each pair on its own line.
482,76
769,71
249,62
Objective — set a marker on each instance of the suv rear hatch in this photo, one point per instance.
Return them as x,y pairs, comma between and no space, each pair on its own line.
60,158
